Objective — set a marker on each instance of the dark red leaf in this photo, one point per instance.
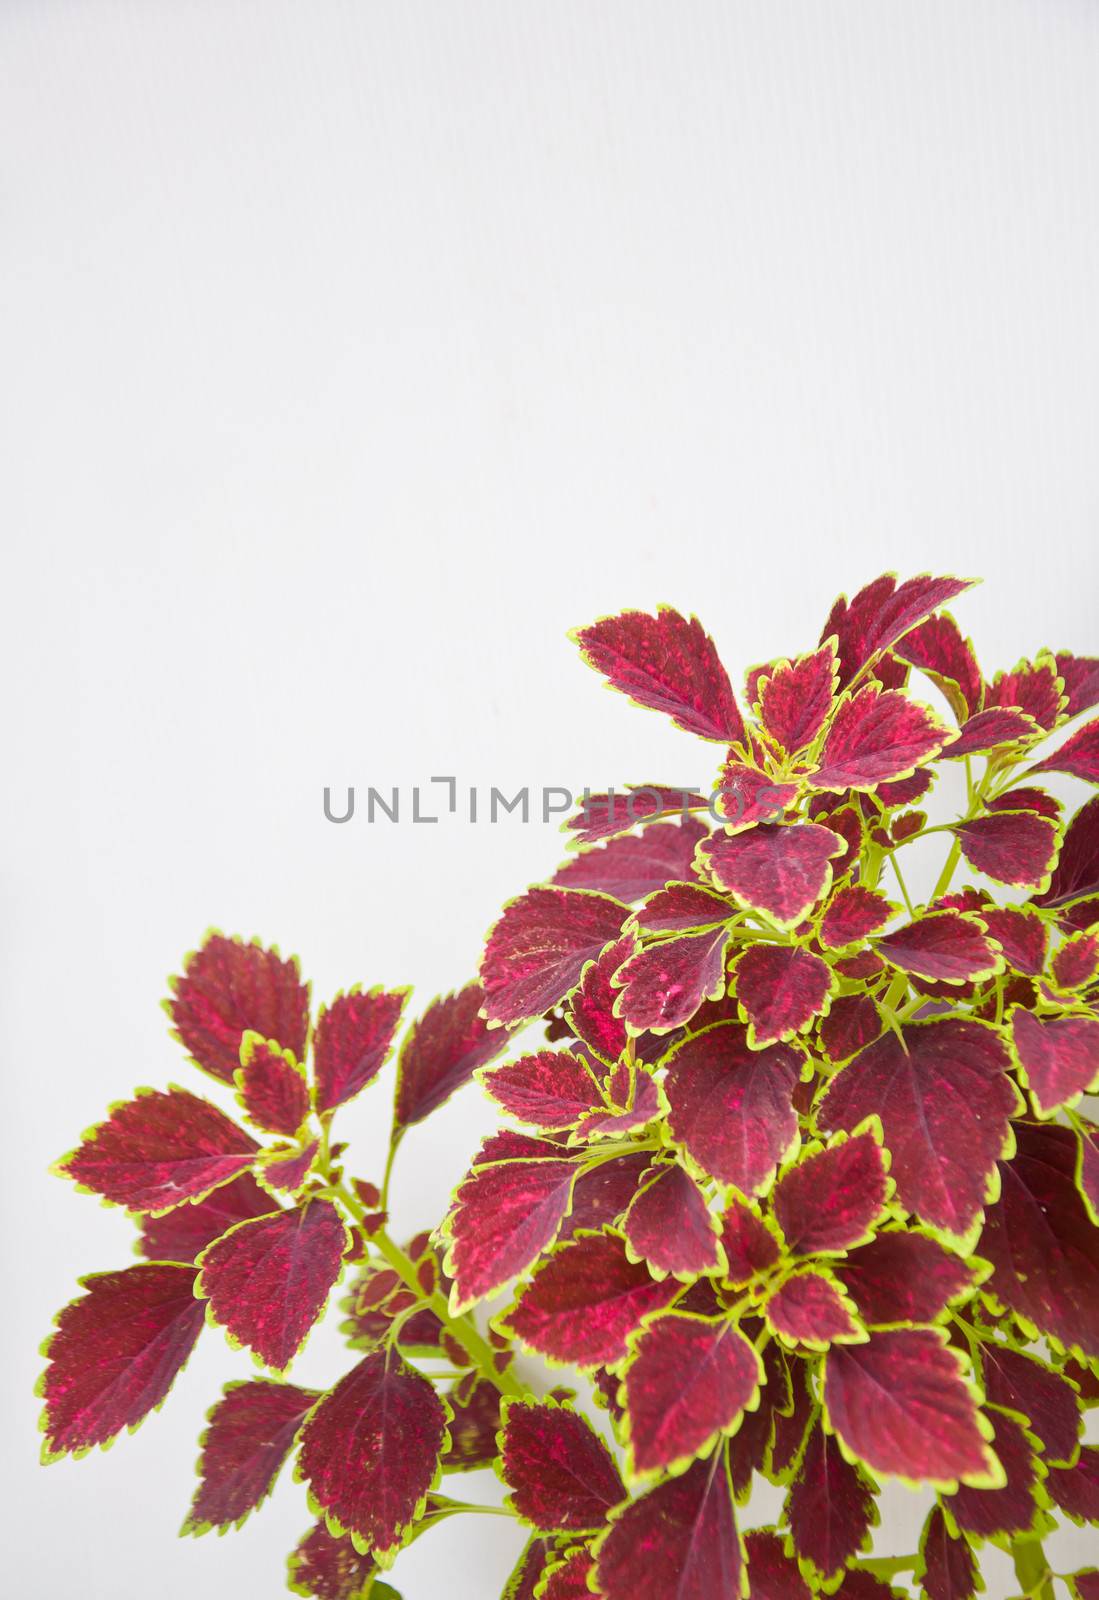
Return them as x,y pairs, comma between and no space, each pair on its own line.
830,1506
884,612
1034,687
591,1008
1079,755
666,663
1007,1510
1077,871
794,698
228,988
853,1021
678,1542
946,947
584,1300
731,1107
159,1150
250,1434
781,988
689,1380
1058,1057
370,1451
1043,1246
529,1571
988,730
663,985
1081,680
1087,1166
938,648
352,1041
852,913
810,1309
681,908
1076,1489
602,1194
790,1428
750,1246
904,1277
1013,847
906,791
746,796
876,736
441,1051
182,1234
640,1105
272,1086
1018,1382
669,1225
780,870
1026,800
568,1579
539,948
115,1354
561,1474
331,1569
268,1281
858,1584
832,1199
505,1214
1021,934
284,1168
602,816
772,1574
945,1101
1084,1585
551,1089
950,1568
1076,962
634,865
899,1404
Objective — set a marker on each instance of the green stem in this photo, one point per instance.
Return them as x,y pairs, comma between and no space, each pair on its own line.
394,1145
948,870
1032,1569
903,886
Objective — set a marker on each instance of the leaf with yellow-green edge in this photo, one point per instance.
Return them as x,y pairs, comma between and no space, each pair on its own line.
876,736
182,1234
989,730
1057,1057
567,1578
158,1151
537,951
631,866
115,1354
948,1568
780,989
670,1226
284,1169
352,1041
793,698
324,1567
1014,1508
853,913
681,908
1048,1402
251,1431
944,947
1075,1489
664,984
899,1403
640,1105
809,1309
1087,1165
639,805
474,1423
830,1507
1035,687
883,613
772,1574
906,1275
271,1086
529,1570
227,988
1018,848
551,1089
938,649
781,870
1076,963
746,796
1078,756
1023,936
1083,1585
441,1051
560,1473
831,1199
1076,875
370,1453
268,1281
590,1009
751,1241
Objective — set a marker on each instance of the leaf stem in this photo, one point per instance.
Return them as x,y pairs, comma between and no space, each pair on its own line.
1032,1569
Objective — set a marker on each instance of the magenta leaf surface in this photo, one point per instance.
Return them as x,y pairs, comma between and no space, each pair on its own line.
663,985
781,988
811,1309
666,663
505,1214
370,1451
772,1574
751,1248
1021,934
731,1108
884,612
331,1569
946,947
904,1277
551,1089
634,865
1013,847
1076,1489
268,1281
1079,755
852,913
560,1473
272,1086
938,648
1059,1057
945,1101
669,1225
603,816
1077,871
1021,1383
990,729
875,736
591,1008
1011,1508
780,870
794,698
830,1506
539,948
182,1234
950,1568
250,1434
747,796
229,988
681,908
1034,687
832,1199
441,1051
678,1542
689,1380
352,1041
116,1352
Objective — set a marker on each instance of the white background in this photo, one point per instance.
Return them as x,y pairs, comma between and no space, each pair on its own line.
352,352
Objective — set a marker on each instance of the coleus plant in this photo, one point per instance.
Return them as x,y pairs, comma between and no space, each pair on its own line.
799,1183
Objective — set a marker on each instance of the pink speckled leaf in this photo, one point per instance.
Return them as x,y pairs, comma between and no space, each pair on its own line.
1077,871
115,1354
228,988
810,1309
1078,756
560,1473
332,1569
370,1451
441,1052
772,1574
1021,1383
666,663
669,1225
504,1215
794,698
182,1234
1014,847
352,1041
268,1281
678,1542
884,612
250,1434
945,1101
1043,1245
731,1108
584,1301
272,1086
591,1007
1021,934
1087,1165
640,1106
1027,799
945,947
949,1565
681,908
830,1506
603,816
989,730
751,1248
1081,680
551,1089
1011,1508
568,1579
832,1199
780,870
159,1150
746,796
663,985
284,1168
602,1195
904,1277
852,913
875,736
1058,1057
780,989
1034,687
538,950
689,1380
1077,961
1076,1489
939,649
899,1403
634,865
854,1021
